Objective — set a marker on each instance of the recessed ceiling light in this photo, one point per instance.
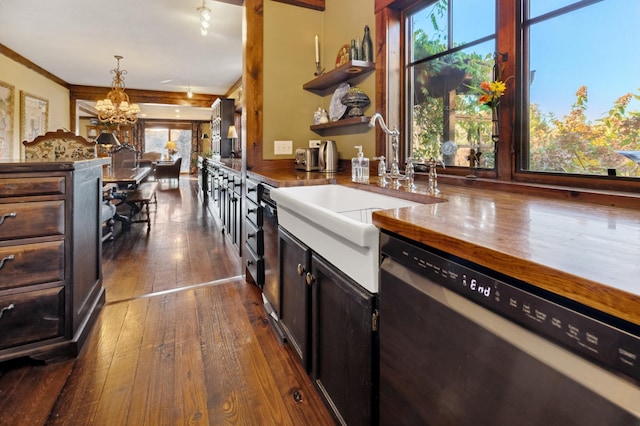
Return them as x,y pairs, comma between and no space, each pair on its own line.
166,81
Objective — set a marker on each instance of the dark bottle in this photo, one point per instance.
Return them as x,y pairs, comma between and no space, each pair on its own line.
353,51
367,46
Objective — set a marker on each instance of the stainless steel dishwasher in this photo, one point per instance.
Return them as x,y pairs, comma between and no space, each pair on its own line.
463,345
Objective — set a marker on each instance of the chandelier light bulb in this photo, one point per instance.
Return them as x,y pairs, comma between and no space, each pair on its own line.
205,16
205,13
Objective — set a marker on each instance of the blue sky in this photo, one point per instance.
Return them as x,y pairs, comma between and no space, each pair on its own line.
597,46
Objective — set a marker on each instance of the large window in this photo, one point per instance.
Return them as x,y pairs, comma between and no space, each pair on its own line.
451,51
583,79
156,138
572,102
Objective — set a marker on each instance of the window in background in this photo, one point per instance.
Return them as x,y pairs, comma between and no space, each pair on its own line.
583,84
156,139
451,51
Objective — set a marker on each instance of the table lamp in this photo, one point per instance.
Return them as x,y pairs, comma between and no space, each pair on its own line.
105,141
233,135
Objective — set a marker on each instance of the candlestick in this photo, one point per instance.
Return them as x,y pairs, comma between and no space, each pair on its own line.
317,51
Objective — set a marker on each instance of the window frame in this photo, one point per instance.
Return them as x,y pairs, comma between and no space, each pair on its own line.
510,39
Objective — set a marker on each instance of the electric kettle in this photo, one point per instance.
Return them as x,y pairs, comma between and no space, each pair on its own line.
328,157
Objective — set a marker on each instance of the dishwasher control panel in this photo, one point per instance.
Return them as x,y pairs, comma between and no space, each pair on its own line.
569,326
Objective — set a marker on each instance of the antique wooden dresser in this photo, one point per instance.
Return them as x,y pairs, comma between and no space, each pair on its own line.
50,257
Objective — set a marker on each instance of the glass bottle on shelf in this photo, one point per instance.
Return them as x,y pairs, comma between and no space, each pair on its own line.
367,46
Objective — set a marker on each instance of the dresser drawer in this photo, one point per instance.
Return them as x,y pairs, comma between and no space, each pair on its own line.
26,264
254,213
255,239
31,316
31,219
21,187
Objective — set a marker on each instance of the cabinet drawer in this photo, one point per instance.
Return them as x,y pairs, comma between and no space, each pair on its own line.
252,191
31,316
254,213
255,239
27,264
32,219
255,266
237,181
20,187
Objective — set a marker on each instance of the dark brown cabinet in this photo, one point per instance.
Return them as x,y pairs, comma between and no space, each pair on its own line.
331,323
223,193
50,257
254,234
295,310
221,118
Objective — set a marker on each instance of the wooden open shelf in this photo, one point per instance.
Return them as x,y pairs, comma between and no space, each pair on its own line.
333,127
324,83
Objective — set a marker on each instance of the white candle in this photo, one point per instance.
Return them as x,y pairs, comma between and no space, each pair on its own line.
317,53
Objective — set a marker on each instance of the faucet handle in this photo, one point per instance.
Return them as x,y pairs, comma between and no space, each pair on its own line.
382,167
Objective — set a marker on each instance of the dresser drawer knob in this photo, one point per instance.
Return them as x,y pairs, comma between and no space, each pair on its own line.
4,216
6,308
5,260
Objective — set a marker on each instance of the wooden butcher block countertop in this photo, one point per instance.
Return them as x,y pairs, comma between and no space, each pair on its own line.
588,253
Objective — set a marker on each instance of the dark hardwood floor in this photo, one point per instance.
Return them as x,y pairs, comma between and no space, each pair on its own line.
182,339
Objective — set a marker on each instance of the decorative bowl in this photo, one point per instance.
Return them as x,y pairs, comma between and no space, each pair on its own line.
357,101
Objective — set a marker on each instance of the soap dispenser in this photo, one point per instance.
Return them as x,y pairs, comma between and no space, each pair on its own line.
360,167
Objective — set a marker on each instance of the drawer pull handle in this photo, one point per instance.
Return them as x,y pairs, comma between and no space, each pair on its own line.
4,216
310,278
7,308
5,260
251,235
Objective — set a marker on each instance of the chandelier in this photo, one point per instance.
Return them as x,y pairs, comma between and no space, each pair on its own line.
115,108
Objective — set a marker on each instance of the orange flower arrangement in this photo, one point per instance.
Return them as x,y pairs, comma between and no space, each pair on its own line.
491,91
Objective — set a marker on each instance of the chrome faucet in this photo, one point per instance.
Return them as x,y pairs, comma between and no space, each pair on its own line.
395,135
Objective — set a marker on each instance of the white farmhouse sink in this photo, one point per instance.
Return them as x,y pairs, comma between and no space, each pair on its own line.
335,221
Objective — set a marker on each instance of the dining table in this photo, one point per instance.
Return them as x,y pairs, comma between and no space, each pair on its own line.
126,177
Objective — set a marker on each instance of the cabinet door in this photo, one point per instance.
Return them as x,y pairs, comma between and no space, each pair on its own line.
294,258
343,344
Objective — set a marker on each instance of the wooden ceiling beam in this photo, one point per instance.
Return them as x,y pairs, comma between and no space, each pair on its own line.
95,93
309,4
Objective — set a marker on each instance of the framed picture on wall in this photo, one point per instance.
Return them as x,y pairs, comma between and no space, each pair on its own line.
6,120
34,116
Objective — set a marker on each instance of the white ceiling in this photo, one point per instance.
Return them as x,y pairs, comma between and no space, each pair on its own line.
160,40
